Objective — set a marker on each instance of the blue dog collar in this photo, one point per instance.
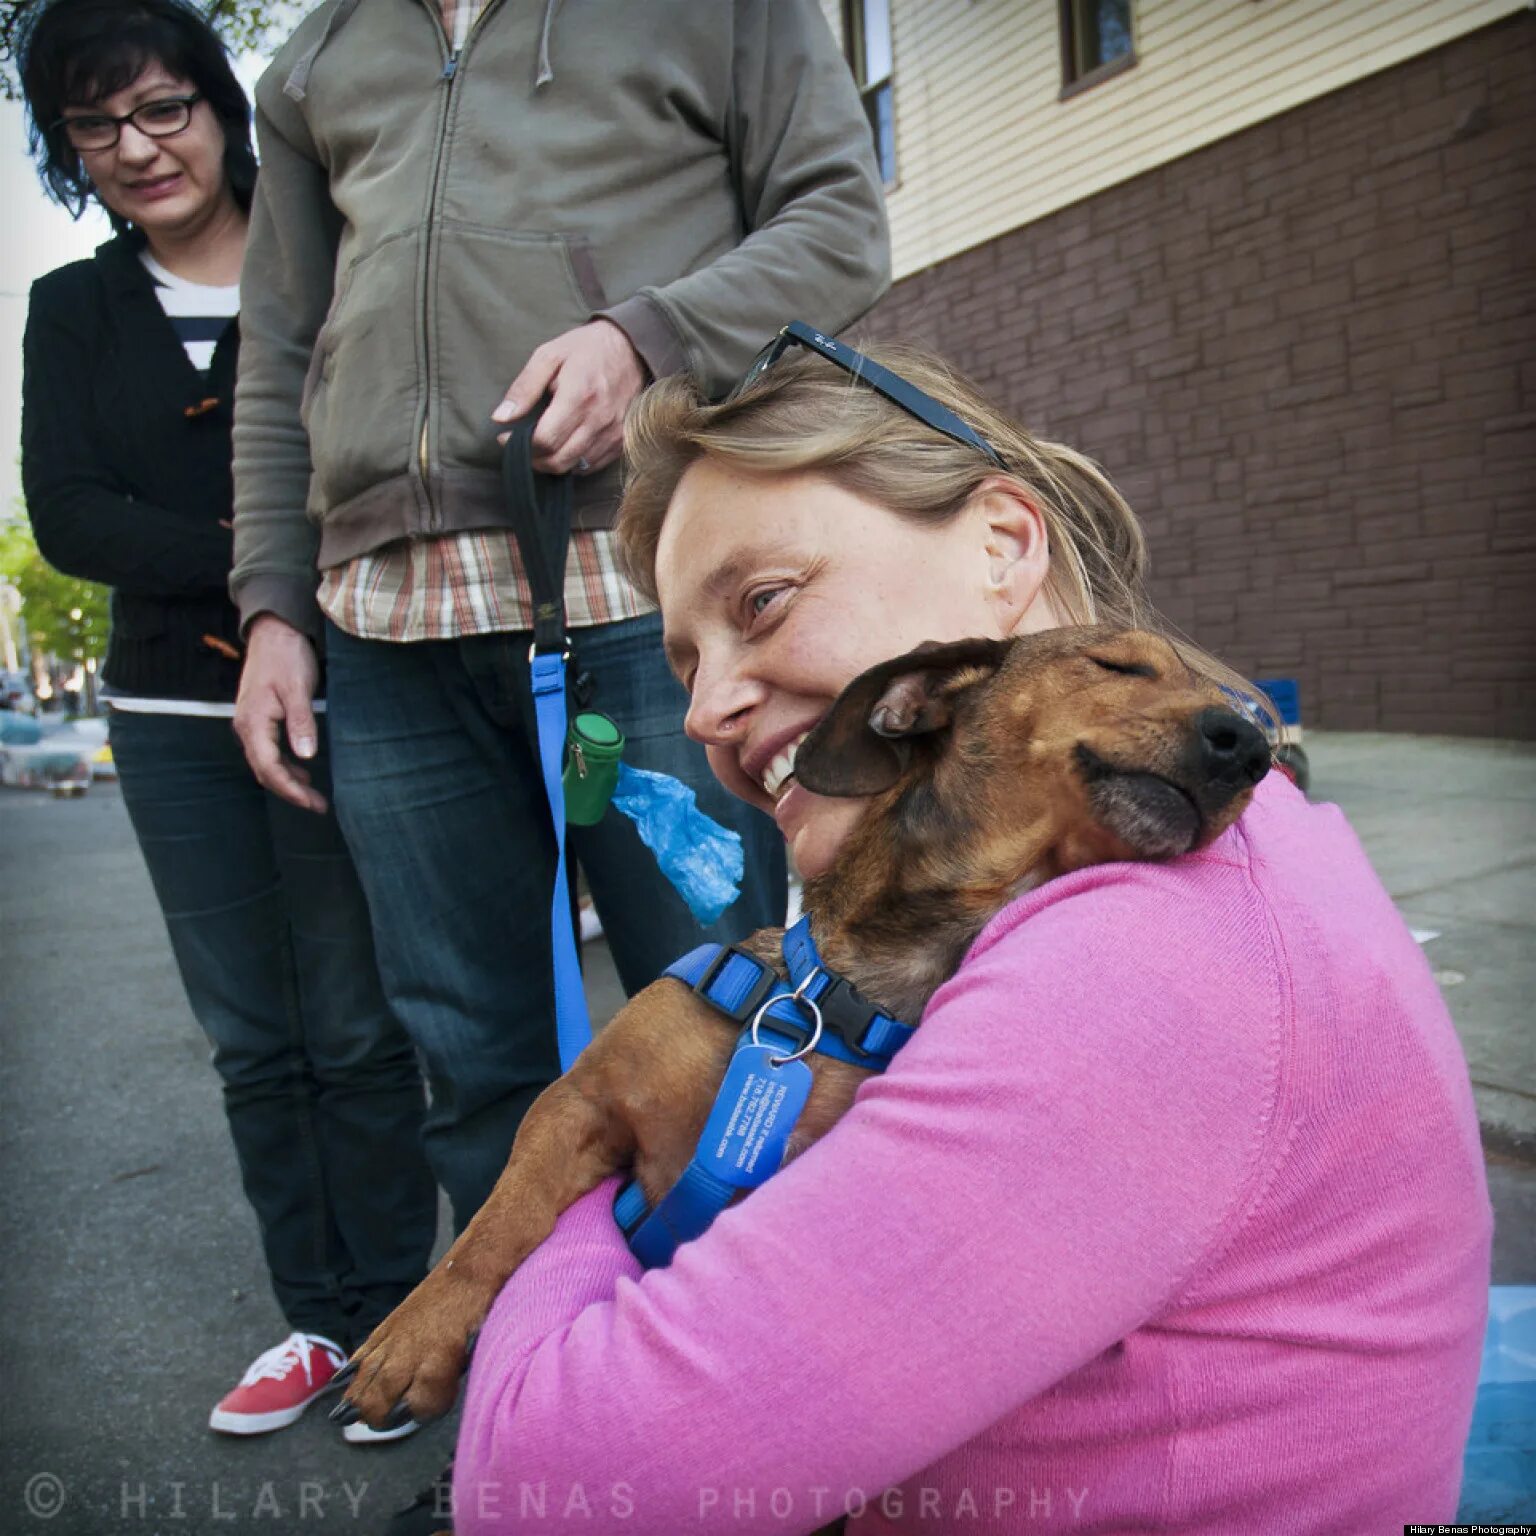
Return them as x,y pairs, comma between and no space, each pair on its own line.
738,985
818,1010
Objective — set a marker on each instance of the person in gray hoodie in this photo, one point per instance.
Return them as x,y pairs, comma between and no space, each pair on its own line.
465,205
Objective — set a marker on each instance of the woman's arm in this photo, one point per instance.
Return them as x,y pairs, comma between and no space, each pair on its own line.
85,523
1039,1172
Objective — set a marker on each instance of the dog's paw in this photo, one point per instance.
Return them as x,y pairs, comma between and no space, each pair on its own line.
411,1364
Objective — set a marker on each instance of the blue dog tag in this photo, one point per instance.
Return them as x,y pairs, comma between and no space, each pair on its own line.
757,1107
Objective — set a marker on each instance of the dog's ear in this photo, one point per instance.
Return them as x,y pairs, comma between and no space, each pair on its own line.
861,746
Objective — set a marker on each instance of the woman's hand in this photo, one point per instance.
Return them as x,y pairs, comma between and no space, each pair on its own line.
591,373
277,691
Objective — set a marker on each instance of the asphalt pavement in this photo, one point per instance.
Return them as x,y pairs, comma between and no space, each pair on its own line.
133,1291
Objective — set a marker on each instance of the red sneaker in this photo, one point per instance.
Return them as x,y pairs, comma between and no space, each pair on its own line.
279,1386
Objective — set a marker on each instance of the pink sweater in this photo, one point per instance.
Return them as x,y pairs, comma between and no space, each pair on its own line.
1172,1217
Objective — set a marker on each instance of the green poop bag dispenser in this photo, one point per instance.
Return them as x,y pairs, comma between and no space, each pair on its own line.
594,745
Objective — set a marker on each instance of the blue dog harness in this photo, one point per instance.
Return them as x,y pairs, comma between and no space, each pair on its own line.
766,1084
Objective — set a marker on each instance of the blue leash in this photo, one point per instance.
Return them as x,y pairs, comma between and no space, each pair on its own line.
767,1082
573,1027
540,506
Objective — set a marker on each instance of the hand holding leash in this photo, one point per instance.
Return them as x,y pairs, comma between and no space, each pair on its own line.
591,375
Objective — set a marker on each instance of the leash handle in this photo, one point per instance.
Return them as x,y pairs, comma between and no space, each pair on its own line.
540,509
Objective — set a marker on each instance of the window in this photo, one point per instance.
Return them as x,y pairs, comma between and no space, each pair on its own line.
1096,41
867,27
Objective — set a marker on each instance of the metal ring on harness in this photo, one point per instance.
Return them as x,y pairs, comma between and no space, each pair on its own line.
797,996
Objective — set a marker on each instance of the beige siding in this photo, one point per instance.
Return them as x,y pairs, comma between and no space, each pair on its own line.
984,144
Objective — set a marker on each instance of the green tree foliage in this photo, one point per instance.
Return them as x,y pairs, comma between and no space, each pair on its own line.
247,26
50,599
256,26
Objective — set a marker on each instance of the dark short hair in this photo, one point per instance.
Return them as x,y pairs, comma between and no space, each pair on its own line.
73,52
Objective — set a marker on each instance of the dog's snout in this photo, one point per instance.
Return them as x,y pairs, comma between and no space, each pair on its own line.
1232,750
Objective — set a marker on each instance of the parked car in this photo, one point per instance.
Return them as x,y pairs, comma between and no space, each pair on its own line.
16,693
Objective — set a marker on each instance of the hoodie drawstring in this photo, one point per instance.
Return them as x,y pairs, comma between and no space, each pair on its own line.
546,71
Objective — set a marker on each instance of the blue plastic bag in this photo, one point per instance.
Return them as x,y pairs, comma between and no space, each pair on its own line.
702,859
1499,1482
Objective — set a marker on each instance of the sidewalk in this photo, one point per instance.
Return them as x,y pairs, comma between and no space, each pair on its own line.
135,1292
1450,825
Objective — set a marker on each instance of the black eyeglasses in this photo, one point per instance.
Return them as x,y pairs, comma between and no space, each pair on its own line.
161,119
891,385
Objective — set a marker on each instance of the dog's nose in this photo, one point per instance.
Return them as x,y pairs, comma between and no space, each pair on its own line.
1233,751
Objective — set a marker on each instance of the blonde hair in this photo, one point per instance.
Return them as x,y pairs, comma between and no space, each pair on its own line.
805,415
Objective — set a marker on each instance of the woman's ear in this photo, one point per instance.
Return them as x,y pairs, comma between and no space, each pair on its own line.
1017,549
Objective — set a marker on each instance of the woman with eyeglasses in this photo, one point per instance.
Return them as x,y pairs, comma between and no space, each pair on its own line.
1171,1217
127,396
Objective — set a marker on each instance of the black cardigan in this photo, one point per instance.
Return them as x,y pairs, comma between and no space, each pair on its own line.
126,470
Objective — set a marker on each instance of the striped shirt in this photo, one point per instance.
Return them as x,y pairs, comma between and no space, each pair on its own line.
469,583
197,313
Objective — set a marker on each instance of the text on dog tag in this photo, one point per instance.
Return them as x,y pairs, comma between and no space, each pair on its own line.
757,1107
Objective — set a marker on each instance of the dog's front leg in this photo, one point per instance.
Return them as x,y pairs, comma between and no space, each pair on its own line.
567,1145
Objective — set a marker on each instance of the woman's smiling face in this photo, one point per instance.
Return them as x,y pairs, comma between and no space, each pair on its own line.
778,590
166,186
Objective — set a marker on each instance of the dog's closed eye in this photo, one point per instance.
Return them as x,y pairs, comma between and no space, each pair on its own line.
1125,668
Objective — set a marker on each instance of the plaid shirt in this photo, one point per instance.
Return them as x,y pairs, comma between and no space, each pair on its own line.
458,17
469,583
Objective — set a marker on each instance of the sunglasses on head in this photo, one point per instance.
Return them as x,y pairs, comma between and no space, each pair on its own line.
866,371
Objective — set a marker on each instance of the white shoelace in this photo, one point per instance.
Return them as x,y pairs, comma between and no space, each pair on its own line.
276,1362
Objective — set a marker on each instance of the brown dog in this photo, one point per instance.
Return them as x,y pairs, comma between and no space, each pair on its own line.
993,766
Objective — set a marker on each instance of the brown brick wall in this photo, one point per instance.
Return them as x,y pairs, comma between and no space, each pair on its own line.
1308,356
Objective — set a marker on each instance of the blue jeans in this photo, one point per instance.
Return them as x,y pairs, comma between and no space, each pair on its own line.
321,1087
440,796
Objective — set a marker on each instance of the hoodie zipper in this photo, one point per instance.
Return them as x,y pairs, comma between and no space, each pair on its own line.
449,76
